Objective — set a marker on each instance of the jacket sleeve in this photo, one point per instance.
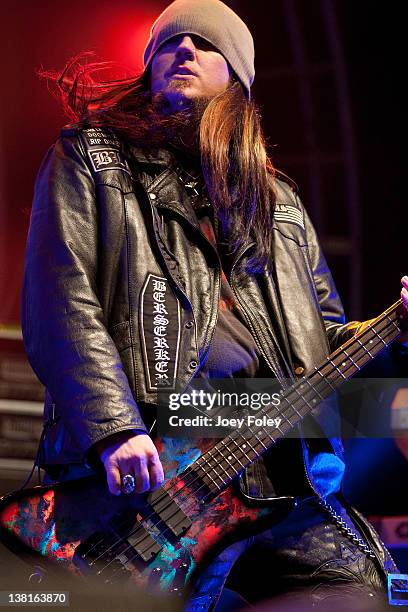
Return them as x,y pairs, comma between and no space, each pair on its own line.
64,327
338,331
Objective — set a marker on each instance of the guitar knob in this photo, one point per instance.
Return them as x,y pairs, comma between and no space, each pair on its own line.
38,575
176,591
155,576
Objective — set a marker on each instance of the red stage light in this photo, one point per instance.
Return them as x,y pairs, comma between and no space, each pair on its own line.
127,31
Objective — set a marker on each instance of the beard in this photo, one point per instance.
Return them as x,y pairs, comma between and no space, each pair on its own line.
180,127
173,100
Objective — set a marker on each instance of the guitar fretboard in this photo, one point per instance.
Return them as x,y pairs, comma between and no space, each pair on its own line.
231,455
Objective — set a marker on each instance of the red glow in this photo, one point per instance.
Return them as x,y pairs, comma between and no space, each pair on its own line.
128,37
126,32
52,32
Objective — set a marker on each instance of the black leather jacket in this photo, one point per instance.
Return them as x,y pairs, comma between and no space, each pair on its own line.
110,225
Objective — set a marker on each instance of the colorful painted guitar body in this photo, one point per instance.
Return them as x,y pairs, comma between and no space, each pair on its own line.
162,538
158,540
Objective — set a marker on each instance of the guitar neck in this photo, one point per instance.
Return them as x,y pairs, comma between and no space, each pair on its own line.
227,459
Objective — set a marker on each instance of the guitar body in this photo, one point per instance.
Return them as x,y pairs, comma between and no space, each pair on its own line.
65,521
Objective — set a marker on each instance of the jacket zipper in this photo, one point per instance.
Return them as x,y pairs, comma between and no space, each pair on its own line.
266,358
217,278
306,470
160,241
246,312
247,317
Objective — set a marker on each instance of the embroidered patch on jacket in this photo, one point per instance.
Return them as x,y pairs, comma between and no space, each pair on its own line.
97,136
108,159
289,214
160,332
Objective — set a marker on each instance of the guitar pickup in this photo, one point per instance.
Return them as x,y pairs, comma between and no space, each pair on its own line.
135,535
101,549
169,512
143,544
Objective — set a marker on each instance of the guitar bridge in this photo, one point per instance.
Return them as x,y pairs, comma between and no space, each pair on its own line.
109,552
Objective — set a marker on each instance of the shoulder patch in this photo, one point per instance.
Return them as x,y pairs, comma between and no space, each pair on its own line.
108,159
99,136
289,214
104,150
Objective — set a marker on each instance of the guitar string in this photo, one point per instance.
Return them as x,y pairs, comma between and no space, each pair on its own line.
360,349
189,484
198,477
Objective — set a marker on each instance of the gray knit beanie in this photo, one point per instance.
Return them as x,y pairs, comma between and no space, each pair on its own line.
217,24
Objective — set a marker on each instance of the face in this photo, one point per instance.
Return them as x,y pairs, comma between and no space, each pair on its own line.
187,67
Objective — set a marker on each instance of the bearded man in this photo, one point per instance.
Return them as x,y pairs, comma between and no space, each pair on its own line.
163,184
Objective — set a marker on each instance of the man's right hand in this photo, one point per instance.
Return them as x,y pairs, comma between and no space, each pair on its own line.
127,452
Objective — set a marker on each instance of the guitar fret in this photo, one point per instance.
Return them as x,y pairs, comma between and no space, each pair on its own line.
268,434
251,447
364,348
338,369
233,454
239,448
227,459
351,359
206,473
393,323
378,335
285,417
279,429
291,405
303,400
260,441
313,389
325,379
219,463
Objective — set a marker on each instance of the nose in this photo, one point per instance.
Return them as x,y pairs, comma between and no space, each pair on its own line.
185,49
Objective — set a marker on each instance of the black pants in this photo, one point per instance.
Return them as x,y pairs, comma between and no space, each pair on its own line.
307,558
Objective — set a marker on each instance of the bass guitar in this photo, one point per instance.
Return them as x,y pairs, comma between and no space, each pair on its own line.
161,539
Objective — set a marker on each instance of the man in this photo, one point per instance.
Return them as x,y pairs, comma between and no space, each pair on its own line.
164,185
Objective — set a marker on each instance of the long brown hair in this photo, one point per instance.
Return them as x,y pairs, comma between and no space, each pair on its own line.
238,172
